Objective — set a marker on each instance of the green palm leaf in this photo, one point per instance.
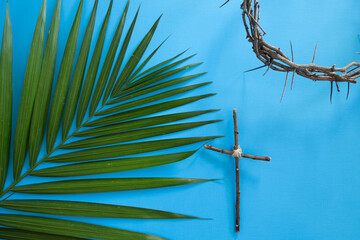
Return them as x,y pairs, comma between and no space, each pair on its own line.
153,88
70,228
159,65
144,63
30,87
125,149
17,234
93,68
120,59
139,123
144,111
116,112
100,185
134,135
88,209
152,98
154,77
109,166
105,72
5,98
79,72
42,99
63,82
134,59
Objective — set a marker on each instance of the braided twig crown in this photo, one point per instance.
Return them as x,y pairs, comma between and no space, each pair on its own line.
275,59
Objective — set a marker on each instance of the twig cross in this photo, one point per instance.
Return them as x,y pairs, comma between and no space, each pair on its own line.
237,153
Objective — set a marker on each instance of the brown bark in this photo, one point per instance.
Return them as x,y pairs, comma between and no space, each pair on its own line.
243,155
237,168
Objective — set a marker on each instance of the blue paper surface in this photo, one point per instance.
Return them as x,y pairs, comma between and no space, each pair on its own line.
309,190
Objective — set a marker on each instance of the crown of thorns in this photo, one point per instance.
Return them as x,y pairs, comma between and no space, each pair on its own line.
276,59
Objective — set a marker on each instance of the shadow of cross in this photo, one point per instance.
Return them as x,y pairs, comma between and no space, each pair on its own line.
237,154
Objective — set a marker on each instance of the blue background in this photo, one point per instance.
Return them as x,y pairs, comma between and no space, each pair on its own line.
310,188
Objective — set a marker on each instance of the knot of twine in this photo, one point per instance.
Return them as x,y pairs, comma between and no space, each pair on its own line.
237,152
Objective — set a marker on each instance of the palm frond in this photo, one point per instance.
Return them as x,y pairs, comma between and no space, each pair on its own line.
103,115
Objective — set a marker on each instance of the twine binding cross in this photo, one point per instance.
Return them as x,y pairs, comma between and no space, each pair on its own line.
237,153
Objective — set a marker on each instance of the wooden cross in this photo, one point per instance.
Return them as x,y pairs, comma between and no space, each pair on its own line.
237,153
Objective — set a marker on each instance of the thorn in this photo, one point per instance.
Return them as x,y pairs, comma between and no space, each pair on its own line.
331,91
348,91
355,68
292,81
315,53
287,77
224,3
271,60
253,69
333,67
337,86
292,59
292,52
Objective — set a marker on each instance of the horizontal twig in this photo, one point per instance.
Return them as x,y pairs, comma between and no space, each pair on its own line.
218,149
243,155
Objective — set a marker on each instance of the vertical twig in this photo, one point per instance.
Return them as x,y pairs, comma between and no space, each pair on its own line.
236,132
236,146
